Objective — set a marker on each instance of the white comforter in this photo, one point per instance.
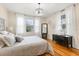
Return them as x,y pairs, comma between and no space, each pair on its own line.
29,46
32,40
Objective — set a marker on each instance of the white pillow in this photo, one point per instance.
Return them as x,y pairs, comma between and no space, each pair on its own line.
2,44
4,32
9,40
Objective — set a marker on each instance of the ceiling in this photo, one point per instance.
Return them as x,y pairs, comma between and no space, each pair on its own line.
29,8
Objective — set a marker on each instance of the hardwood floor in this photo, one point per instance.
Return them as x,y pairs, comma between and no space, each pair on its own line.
60,50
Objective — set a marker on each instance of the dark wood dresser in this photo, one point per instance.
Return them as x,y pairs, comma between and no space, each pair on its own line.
65,40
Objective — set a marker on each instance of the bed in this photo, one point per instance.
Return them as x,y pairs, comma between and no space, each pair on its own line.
30,46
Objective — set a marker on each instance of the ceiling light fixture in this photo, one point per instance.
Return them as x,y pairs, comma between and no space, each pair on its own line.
39,11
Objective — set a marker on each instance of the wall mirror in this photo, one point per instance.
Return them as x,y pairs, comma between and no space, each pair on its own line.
44,30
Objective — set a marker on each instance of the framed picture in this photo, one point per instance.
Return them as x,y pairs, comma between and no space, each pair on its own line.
2,24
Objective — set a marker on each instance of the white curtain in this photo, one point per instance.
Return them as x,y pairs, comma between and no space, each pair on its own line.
20,24
37,25
58,29
71,25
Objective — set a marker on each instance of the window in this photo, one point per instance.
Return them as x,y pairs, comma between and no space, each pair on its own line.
29,25
26,24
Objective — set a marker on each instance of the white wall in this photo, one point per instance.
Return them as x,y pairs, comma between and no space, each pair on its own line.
51,25
9,18
3,12
11,22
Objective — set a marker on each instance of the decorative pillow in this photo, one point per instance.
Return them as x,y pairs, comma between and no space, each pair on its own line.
2,44
9,40
1,41
4,32
18,38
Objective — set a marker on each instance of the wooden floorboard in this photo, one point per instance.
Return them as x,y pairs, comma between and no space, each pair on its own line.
60,50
